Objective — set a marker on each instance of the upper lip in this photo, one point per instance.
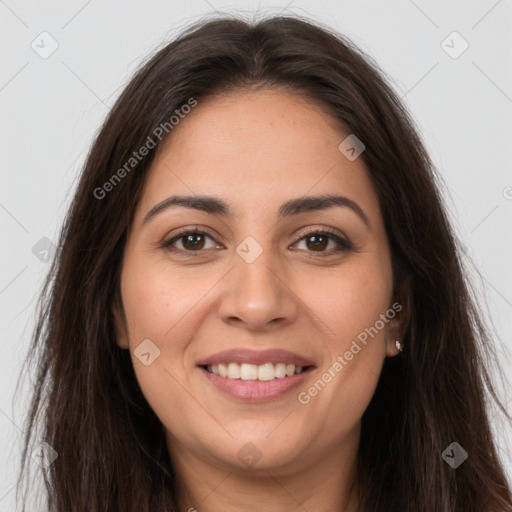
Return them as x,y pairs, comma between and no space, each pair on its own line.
256,357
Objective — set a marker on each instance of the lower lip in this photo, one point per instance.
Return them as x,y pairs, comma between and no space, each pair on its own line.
256,390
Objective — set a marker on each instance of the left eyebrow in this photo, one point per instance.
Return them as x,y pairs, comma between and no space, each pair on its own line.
217,206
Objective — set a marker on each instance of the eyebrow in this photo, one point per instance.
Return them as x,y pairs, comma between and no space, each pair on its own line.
217,206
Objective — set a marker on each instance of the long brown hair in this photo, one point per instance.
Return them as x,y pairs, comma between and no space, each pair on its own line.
87,404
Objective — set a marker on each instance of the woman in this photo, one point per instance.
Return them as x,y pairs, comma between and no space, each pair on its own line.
258,301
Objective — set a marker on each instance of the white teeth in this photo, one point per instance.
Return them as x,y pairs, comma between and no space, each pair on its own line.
248,371
266,372
234,371
280,370
263,372
223,370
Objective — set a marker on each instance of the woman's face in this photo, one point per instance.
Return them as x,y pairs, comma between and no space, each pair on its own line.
258,286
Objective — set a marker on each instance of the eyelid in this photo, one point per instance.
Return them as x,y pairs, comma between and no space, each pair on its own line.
315,229
342,241
181,232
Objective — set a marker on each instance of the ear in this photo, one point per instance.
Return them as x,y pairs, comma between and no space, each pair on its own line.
395,331
399,324
119,320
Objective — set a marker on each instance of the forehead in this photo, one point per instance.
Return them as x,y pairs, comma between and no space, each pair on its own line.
257,149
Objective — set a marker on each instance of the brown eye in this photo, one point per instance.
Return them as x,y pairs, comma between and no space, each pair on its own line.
192,241
189,241
317,242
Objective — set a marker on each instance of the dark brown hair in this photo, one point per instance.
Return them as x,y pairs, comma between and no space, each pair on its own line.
87,403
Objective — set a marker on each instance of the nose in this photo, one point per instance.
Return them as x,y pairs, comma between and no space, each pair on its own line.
256,295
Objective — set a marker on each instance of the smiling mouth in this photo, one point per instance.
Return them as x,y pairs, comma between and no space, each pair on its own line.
253,372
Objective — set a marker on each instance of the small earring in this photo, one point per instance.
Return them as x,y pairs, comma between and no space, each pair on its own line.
398,345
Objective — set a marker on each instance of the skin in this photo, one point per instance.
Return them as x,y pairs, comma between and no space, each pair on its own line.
256,150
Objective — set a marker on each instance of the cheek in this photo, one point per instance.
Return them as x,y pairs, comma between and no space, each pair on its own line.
351,302
166,306
350,305
157,299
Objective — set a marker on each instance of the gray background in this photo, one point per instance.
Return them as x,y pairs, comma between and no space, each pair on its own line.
50,109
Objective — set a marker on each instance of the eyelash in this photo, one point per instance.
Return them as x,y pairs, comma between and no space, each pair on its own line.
344,245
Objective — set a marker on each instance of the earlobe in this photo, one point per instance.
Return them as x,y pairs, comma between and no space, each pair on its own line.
394,347
396,331
399,324
122,341
119,320
394,344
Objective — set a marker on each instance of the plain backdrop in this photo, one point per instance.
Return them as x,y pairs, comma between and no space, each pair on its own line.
51,106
